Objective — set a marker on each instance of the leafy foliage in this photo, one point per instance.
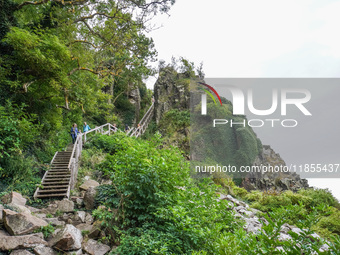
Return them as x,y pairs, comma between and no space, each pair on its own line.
153,208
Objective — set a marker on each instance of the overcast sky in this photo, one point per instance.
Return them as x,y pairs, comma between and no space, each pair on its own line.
262,38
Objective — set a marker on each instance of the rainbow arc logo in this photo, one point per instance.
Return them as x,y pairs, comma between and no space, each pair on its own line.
204,97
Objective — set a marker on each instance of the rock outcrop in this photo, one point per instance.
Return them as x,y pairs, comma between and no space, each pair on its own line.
135,99
278,181
171,91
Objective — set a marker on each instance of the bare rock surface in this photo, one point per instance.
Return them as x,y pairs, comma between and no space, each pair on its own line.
68,239
44,250
21,223
89,198
14,198
93,247
21,242
89,183
21,252
65,205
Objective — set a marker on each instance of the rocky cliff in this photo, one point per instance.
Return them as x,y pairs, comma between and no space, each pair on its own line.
278,181
239,145
171,91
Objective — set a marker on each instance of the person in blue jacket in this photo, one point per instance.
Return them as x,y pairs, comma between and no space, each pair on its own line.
74,132
86,128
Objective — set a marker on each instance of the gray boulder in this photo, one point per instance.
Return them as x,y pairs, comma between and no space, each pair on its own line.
21,223
68,239
43,250
20,208
89,198
55,222
21,242
14,198
80,216
92,247
89,183
65,205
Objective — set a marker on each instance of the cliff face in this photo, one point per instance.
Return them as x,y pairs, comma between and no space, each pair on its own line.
171,91
238,146
135,100
273,180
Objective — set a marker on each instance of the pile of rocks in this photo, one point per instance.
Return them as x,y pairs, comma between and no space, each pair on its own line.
75,232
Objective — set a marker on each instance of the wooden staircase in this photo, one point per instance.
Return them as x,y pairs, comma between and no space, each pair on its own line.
62,175
143,124
56,181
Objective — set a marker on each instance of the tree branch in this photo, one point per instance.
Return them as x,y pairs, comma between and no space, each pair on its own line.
93,15
85,41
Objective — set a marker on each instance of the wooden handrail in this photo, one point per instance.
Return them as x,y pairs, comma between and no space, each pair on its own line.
143,122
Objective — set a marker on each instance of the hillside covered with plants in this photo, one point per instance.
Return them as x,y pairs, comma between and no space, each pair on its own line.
153,206
65,62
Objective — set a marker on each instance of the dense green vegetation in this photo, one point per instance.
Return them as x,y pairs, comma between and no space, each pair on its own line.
155,207
237,145
65,62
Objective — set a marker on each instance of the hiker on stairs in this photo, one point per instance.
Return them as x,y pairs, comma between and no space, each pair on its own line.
127,128
86,128
74,132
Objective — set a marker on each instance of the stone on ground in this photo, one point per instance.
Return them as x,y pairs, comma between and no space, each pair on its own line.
21,223
89,183
68,239
65,205
14,198
89,198
21,242
94,248
43,250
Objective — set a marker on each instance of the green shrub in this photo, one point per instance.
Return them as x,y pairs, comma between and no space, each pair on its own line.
319,196
240,192
142,174
331,223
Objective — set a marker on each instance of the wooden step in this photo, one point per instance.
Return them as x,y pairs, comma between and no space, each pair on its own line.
51,190
53,187
53,195
58,172
58,177
55,183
